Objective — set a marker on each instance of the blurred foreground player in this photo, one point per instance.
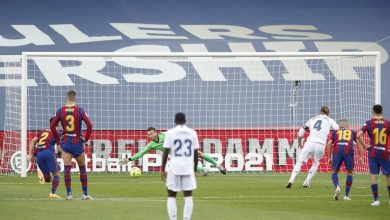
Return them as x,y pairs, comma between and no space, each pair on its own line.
378,130
319,127
42,147
181,142
341,144
71,117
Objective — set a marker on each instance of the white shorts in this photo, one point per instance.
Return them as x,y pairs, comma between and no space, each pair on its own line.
312,149
179,183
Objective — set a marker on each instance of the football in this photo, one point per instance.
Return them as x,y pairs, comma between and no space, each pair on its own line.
135,172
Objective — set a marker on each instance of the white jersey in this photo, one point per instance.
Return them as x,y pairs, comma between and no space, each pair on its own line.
182,141
319,127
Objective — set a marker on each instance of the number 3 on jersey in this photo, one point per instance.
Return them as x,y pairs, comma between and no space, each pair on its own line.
178,145
70,123
317,125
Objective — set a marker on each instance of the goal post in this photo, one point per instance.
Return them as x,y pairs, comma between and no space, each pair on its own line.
241,104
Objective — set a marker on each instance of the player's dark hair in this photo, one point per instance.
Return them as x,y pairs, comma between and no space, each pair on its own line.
151,129
71,94
51,119
325,110
180,118
377,109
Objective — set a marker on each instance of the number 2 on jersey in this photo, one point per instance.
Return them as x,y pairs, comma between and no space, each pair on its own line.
178,145
70,123
42,138
317,125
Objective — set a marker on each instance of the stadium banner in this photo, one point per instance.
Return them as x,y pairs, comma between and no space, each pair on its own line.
255,150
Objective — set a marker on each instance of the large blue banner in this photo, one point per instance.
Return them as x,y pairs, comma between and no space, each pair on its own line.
177,26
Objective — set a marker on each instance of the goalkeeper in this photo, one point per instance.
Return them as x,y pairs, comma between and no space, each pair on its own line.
156,143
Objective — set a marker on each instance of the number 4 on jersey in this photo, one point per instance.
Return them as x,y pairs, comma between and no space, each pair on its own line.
317,125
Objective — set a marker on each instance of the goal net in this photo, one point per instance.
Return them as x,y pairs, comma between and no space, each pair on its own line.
246,107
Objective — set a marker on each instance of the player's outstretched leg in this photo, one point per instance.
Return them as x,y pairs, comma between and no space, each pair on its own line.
312,172
171,205
209,159
335,180
188,205
348,185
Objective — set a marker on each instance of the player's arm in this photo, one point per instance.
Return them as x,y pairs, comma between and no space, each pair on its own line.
196,157
88,122
329,150
53,129
359,138
360,150
31,148
196,151
137,155
167,149
301,132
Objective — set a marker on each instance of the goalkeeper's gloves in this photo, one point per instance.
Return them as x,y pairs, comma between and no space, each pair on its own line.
124,161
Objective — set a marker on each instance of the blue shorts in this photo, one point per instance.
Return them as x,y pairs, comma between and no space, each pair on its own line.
338,160
75,149
379,162
47,161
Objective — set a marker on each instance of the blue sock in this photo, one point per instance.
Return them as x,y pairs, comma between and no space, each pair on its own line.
374,188
84,179
348,185
335,179
67,179
54,184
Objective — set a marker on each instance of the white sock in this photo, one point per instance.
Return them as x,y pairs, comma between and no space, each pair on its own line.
296,170
188,206
312,171
171,207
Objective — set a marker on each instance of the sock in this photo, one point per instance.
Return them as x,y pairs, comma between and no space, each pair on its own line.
68,179
171,207
199,168
335,179
296,170
209,159
188,206
312,171
84,179
374,188
54,184
348,184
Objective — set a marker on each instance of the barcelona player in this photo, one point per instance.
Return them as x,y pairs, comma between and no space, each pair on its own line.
378,130
71,117
156,143
341,144
42,147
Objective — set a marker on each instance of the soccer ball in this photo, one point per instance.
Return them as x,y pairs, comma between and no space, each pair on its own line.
135,172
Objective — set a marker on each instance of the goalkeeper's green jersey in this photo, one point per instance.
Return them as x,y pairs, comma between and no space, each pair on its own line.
153,145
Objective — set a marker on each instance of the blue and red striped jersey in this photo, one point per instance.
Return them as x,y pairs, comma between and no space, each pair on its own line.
45,140
343,140
71,118
378,131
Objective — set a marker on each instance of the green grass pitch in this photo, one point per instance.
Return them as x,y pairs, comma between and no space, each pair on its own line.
234,196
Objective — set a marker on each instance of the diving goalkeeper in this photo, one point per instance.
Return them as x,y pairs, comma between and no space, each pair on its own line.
156,143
